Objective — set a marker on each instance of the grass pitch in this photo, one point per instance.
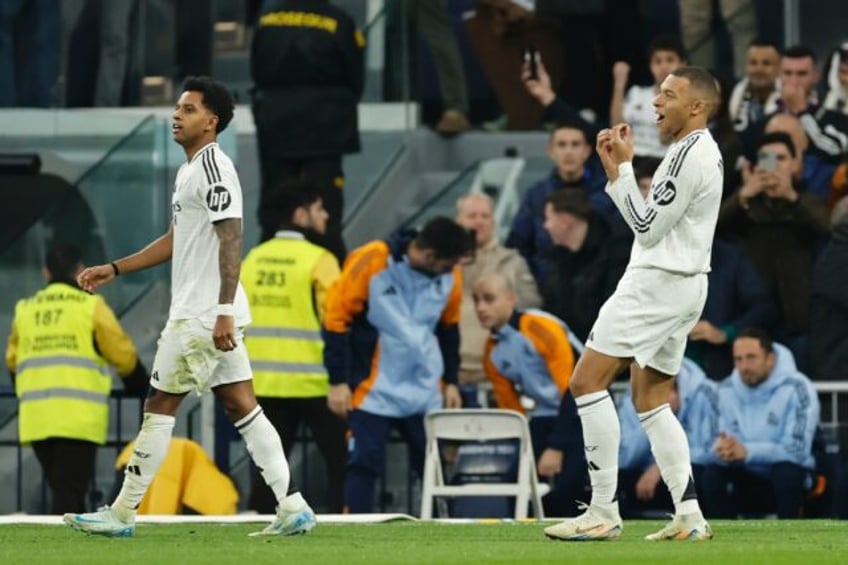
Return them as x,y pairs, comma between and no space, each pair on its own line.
768,542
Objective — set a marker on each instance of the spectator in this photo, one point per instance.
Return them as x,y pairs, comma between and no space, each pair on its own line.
829,309
696,19
836,98
35,24
554,109
827,129
391,334
286,280
816,172
307,66
60,346
432,22
756,95
779,228
694,399
728,141
474,212
768,413
589,255
736,299
665,54
569,149
529,354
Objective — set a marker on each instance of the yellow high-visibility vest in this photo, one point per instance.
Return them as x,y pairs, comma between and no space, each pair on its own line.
284,342
62,383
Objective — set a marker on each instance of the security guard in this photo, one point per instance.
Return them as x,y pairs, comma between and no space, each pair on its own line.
307,68
286,280
61,343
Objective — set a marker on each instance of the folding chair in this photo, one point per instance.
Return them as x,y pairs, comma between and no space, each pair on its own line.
480,425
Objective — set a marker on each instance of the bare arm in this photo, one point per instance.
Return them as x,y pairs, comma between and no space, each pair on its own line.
155,253
229,257
229,265
620,74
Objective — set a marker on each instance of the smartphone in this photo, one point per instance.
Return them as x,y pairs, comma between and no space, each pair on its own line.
531,58
766,160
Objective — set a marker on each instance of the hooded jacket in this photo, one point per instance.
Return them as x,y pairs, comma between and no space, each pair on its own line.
776,419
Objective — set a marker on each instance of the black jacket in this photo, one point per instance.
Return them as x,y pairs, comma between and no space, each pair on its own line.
829,313
307,69
576,285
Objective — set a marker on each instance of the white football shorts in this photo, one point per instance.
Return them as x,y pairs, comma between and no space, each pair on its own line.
649,317
186,359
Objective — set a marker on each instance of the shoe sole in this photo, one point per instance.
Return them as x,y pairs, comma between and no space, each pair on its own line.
126,533
609,535
693,535
300,530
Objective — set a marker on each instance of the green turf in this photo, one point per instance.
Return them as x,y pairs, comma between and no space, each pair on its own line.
768,542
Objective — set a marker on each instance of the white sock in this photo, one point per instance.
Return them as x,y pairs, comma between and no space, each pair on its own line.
671,452
601,436
264,445
151,447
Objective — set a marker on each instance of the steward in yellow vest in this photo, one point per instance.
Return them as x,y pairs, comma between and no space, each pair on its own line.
286,280
61,344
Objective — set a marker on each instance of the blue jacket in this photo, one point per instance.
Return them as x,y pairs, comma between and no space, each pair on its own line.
698,415
736,299
775,420
530,355
391,332
527,233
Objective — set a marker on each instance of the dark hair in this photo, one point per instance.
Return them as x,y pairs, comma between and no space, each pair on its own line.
571,124
62,261
766,342
800,52
761,42
291,195
446,238
703,81
570,201
667,42
778,137
216,98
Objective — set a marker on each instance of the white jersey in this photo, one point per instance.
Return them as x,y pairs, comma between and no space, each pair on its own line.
639,112
674,226
206,191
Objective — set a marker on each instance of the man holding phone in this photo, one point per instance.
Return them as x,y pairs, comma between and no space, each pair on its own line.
779,226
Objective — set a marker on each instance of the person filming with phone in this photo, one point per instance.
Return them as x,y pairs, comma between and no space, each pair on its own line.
779,226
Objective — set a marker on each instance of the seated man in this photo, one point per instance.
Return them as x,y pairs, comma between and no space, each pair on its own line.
529,354
694,400
475,212
588,258
768,413
569,149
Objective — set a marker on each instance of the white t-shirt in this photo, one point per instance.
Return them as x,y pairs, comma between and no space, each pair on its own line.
639,112
206,191
674,226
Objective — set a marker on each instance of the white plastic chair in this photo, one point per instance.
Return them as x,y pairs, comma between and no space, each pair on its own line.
480,425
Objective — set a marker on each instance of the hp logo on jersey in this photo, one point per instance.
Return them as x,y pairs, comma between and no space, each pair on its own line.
218,199
664,194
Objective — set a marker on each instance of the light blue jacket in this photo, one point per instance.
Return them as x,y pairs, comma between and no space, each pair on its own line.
775,420
698,415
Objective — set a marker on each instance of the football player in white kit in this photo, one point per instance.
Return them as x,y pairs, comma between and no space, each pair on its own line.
645,323
202,345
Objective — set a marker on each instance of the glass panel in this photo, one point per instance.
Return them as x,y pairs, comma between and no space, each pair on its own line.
444,203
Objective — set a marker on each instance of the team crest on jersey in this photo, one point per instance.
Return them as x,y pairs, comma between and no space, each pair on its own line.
665,193
218,199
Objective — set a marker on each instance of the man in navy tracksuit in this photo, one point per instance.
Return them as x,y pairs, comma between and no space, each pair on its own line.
768,413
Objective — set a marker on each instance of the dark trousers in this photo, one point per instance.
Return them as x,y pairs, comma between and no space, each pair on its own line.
325,171
367,454
730,491
571,485
68,466
286,414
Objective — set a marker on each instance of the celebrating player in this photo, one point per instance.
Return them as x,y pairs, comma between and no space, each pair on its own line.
659,299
